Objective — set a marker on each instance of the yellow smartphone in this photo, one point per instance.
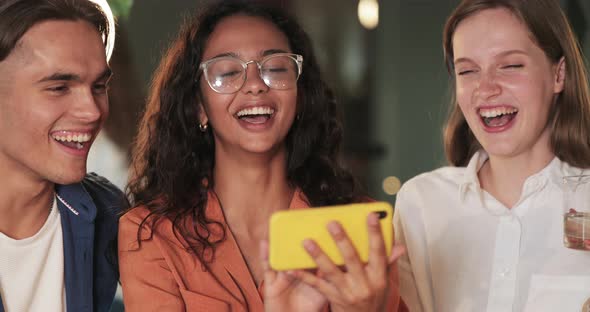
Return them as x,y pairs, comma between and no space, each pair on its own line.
288,229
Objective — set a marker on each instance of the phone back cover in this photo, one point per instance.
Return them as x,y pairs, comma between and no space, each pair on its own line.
289,228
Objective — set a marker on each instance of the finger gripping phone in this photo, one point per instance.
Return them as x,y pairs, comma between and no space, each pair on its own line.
288,229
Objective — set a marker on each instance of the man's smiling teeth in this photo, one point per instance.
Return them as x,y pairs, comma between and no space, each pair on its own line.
495,112
255,111
81,138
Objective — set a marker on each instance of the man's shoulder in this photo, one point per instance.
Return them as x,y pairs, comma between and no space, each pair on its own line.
100,186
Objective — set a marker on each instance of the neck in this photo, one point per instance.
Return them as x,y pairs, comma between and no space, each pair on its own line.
25,202
504,177
252,189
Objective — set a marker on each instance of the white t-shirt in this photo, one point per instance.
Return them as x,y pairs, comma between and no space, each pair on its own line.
468,252
32,269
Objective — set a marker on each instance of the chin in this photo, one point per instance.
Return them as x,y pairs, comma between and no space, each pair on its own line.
261,148
69,176
500,150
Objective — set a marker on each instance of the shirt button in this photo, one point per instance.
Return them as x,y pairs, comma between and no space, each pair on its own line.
509,218
504,272
514,219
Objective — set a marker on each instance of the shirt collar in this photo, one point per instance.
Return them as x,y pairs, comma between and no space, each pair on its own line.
558,169
554,172
470,179
75,199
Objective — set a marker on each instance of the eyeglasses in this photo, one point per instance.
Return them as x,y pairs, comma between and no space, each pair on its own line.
227,74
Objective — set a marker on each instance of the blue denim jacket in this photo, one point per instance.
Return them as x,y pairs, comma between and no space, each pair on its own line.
89,213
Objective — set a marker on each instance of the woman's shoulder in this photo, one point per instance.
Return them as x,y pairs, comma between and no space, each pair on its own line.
140,222
442,177
429,191
150,223
135,215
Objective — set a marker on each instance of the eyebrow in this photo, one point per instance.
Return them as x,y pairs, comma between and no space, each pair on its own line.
501,54
106,74
264,53
225,54
61,76
273,51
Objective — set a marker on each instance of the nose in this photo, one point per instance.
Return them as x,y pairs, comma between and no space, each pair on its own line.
254,83
90,107
487,86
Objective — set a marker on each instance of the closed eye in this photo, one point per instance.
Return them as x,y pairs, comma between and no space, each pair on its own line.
276,69
60,89
513,66
465,72
230,74
100,88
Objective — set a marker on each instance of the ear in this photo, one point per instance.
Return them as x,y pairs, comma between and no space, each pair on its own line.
203,119
559,81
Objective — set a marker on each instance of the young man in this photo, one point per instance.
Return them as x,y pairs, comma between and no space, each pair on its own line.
58,225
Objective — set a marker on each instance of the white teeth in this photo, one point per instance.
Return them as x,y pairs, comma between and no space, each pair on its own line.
255,111
495,112
80,138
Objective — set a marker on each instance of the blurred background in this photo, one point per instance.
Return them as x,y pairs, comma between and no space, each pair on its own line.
383,58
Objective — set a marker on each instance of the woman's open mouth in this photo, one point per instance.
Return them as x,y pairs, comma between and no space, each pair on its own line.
255,115
497,117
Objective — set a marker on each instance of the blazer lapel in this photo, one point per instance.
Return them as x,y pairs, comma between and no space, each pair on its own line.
235,276
77,212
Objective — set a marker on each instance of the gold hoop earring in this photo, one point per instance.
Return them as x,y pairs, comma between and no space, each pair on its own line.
203,127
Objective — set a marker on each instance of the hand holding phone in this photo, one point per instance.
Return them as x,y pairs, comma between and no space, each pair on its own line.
289,228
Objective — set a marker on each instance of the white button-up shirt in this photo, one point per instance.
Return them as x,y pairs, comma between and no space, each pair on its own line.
468,252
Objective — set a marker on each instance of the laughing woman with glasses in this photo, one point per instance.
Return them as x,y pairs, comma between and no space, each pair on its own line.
239,124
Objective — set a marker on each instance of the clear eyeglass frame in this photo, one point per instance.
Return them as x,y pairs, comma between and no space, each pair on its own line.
204,69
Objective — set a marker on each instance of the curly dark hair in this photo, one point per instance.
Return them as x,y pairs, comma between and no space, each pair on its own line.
173,160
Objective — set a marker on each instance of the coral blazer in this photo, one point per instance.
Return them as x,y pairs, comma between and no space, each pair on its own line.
161,275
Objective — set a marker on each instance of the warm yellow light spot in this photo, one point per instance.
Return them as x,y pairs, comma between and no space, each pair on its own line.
391,185
368,12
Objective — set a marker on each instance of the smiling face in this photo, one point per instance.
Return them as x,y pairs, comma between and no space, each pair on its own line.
505,84
256,118
53,100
